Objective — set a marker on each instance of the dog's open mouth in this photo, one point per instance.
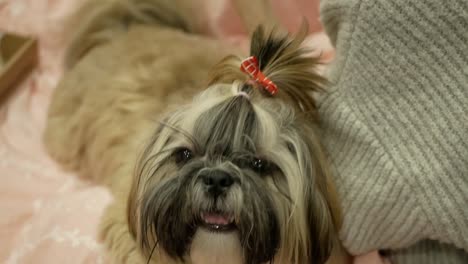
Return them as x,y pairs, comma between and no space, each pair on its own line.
219,222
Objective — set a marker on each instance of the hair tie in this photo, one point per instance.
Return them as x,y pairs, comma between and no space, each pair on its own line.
251,67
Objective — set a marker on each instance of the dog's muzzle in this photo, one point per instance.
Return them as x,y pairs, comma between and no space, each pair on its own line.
216,184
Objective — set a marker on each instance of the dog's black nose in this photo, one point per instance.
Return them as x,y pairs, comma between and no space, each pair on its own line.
217,182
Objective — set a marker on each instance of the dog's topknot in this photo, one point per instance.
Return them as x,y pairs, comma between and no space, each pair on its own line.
289,65
283,59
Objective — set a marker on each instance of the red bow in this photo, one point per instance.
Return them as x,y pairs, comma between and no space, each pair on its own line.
250,66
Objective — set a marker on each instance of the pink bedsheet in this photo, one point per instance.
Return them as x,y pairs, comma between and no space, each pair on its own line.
48,215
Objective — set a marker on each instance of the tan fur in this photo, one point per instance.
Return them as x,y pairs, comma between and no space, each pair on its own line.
104,111
124,78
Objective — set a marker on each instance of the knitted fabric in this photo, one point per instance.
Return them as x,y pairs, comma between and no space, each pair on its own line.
395,122
429,252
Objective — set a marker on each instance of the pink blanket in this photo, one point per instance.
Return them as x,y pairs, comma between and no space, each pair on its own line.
48,215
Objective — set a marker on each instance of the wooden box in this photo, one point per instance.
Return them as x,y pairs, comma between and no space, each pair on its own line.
18,56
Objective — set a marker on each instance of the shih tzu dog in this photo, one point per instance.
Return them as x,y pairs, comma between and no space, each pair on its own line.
210,160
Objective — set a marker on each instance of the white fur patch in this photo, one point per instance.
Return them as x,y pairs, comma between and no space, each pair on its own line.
214,248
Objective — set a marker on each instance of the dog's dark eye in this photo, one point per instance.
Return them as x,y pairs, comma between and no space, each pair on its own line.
260,166
183,155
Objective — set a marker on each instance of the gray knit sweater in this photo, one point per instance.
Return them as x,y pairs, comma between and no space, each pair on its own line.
396,125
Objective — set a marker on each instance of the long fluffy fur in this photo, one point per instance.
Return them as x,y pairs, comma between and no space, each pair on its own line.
286,63
136,62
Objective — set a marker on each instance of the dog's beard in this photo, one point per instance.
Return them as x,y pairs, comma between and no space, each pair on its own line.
210,248
278,214
188,219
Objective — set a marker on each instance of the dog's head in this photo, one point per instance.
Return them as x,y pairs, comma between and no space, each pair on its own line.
239,173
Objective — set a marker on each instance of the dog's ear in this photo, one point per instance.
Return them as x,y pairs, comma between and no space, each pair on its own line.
323,208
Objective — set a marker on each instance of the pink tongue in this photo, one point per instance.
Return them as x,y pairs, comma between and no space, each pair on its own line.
215,219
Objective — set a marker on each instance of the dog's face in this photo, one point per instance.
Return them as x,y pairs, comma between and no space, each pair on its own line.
235,176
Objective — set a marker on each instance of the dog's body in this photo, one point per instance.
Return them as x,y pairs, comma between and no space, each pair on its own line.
133,62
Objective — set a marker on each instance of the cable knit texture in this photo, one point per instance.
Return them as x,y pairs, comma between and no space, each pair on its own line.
429,252
396,123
